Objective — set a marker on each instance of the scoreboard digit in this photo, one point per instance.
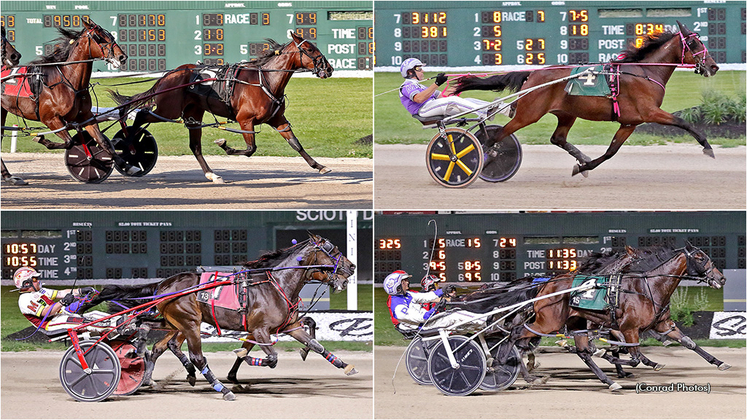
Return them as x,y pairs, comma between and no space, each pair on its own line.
159,37
453,34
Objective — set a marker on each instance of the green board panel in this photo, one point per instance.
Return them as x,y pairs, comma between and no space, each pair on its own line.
454,34
162,35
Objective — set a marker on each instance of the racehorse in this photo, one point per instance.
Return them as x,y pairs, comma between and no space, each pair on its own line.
10,57
60,95
643,75
644,300
272,300
258,97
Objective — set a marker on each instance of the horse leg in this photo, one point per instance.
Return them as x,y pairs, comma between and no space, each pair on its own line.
304,338
242,355
307,321
150,361
195,144
7,177
584,352
621,135
284,128
660,116
175,345
194,344
247,124
55,124
560,138
688,343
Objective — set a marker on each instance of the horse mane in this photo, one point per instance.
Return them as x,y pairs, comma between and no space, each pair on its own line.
633,54
598,260
650,258
269,54
272,258
62,52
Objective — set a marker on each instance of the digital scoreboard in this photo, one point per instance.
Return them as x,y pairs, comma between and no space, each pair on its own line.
158,244
163,35
506,246
470,33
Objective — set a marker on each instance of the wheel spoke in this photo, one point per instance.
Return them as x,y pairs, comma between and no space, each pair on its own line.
464,167
449,171
466,150
439,156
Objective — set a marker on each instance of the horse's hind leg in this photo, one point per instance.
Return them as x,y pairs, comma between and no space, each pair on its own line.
175,345
284,128
560,138
304,338
150,361
621,135
191,332
242,355
7,177
584,352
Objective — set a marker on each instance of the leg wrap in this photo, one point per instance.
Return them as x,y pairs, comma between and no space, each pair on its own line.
255,361
316,346
688,343
214,382
333,359
295,144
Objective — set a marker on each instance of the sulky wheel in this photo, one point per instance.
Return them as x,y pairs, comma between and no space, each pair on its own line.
502,160
87,161
454,158
501,375
133,367
138,150
100,382
416,360
464,379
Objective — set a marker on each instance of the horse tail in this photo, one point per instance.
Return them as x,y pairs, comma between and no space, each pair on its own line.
127,296
135,101
511,81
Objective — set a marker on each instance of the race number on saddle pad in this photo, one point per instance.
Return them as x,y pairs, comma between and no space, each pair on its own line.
18,85
594,299
222,296
593,84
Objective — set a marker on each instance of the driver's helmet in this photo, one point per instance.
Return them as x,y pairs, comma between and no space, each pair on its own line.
24,277
393,282
429,282
409,64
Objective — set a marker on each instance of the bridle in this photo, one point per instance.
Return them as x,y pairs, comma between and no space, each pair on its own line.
317,60
106,40
328,248
699,61
701,273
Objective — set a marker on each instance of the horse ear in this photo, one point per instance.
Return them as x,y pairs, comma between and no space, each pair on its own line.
629,250
294,36
683,28
689,246
87,23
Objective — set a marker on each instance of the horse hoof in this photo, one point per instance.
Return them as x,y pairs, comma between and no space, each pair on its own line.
304,353
325,170
709,152
576,170
192,380
667,343
15,180
541,381
217,179
614,386
229,396
724,366
220,142
350,370
241,353
40,138
659,366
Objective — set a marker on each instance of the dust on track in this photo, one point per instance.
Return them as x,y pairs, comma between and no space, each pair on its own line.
573,391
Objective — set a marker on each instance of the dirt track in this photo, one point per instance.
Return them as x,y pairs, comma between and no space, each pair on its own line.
574,392
178,183
670,177
295,389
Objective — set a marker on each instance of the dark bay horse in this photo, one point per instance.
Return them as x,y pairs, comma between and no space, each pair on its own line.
10,57
272,298
644,73
258,97
644,301
61,98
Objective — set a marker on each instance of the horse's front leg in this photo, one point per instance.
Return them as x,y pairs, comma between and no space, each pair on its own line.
621,135
247,125
96,134
55,124
676,334
584,351
284,128
7,177
304,338
242,355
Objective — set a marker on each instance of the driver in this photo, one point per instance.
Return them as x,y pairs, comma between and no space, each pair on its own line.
429,101
55,311
406,308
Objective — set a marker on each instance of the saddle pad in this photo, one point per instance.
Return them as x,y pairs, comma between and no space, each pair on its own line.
588,85
17,86
221,296
222,88
594,299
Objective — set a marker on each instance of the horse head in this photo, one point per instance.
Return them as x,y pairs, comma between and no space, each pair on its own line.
700,265
102,44
10,57
695,52
311,58
339,268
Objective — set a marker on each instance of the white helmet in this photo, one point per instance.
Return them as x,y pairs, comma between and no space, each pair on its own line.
393,282
409,64
24,277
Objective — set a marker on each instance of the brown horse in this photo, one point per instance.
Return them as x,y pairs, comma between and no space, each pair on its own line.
10,57
644,73
274,282
258,97
644,302
61,98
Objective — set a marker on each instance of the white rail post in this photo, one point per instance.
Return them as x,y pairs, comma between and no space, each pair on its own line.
352,254
13,139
